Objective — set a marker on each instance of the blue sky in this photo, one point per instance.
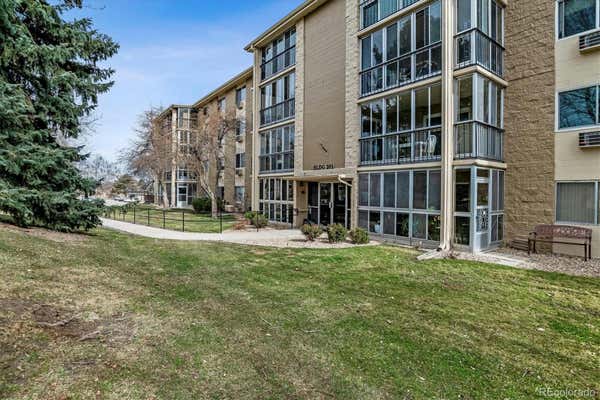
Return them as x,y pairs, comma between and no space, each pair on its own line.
172,51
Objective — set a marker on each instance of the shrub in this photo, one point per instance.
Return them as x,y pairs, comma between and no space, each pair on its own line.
202,205
260,221
359,236
250,215
336,233
311,231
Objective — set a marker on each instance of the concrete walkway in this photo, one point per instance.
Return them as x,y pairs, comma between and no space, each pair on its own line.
264,237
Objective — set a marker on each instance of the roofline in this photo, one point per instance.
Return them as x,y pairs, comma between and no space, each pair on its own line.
285,23
171,107
233,82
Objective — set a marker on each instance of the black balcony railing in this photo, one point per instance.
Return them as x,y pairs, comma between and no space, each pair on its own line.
478,140
401,148
279,162
277,113
475,48
400,71
278,63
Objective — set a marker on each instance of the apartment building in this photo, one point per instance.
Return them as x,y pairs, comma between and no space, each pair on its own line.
552,116
230,102
395,122
177,125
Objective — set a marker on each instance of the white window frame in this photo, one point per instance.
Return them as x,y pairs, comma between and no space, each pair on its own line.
557,22
596,205
557,93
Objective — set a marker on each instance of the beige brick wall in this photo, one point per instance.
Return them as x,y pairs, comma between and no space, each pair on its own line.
529,115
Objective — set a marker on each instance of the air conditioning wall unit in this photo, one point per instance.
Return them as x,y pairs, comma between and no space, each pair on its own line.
589,139
589,41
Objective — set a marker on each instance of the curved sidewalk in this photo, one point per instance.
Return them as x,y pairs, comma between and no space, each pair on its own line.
264,237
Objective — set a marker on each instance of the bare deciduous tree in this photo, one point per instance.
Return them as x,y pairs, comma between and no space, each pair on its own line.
206,153
151,152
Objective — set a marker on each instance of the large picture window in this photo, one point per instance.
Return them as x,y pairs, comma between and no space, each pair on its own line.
276,199
279,54
403,52
576,16
480,41
577,202
277,100
404,204
402,128
479,119
579,108
277,149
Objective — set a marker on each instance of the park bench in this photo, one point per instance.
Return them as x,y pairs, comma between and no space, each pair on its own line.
561,234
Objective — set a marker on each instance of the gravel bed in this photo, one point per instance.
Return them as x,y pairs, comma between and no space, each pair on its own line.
554,262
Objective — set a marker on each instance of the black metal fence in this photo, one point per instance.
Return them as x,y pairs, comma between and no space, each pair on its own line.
173,219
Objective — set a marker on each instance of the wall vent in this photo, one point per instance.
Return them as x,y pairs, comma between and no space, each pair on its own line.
589,139
590,41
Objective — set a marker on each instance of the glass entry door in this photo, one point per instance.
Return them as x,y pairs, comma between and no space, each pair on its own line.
325,204
329,203
182,196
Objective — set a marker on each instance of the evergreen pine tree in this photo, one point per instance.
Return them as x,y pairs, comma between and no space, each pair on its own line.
50,79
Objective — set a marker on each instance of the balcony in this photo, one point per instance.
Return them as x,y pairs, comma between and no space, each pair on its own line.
475,48
278,63
402,148
279,162
401,71
478,140
277,113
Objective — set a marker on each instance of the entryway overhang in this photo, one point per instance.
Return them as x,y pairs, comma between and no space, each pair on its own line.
319,178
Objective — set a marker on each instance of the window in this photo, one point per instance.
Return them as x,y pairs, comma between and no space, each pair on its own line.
276,199
577,202
374,11
405,204
240,127
279,54
240,192
579,107
222,104
464,15
386,136
277,100
277,149
240,159
240,97
394,55
183,118
576,16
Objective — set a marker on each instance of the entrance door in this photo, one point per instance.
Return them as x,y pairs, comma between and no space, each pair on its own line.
182,196
329,203
325,204
341,197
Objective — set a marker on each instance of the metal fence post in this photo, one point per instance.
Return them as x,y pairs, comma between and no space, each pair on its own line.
183,221
164,226
148,217
134,214
221,221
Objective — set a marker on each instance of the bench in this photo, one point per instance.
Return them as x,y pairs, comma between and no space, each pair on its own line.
561,234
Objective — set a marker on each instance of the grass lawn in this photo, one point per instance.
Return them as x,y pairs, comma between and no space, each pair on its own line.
110,316
173,220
